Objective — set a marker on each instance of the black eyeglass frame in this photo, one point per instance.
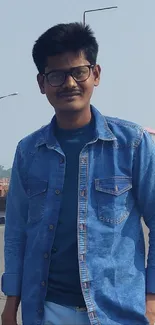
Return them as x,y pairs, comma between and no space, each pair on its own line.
68,73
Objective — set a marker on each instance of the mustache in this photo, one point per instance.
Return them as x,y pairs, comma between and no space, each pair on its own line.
68,92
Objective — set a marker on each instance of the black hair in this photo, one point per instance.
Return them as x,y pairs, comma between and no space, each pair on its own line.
62,38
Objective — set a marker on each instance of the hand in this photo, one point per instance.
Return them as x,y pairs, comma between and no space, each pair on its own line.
8,319
150,308
9,315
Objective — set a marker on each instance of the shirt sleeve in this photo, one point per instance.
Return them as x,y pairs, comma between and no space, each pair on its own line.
15,235
144,191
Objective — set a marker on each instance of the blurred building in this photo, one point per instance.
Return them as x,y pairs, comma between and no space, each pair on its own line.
4,185
152,132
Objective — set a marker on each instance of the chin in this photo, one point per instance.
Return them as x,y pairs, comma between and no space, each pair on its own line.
70,107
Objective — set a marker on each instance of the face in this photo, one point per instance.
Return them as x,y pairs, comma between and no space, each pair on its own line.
67,84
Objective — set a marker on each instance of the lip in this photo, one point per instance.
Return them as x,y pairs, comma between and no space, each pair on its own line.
69,95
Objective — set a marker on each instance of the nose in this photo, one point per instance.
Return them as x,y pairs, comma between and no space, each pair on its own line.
70,82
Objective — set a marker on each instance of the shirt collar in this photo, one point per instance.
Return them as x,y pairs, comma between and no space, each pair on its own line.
102,131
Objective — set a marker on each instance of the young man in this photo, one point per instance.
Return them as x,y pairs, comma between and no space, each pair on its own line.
74,246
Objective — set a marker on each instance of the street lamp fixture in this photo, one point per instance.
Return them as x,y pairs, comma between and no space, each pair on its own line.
93,10
9,95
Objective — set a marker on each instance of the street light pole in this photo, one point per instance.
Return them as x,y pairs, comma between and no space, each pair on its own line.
92,10
9,95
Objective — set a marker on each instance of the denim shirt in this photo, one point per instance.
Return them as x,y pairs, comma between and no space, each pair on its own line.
116,187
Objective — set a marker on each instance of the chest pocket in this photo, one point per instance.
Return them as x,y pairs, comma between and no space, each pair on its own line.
36,192
112,196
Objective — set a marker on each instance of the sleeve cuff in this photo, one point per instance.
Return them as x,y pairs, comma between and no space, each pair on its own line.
11,284
150,280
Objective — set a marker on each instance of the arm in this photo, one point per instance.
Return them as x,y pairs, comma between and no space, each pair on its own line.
9,315
144,190
15,239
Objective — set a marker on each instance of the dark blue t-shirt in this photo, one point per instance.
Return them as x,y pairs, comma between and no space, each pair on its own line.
64,280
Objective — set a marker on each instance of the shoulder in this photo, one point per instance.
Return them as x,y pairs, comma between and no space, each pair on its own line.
126,132
31,142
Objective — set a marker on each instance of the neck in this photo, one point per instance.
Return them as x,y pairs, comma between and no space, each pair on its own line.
73,120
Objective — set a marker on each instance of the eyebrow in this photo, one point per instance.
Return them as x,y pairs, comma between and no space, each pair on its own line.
63,70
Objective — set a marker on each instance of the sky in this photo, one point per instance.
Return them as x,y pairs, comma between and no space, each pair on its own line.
126,39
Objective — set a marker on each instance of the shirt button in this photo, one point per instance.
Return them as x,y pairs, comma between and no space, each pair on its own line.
83,193
85,285
82,257
43,283
40,311
57,192
82,227
51,227
92,315
45,255
54,249
83,160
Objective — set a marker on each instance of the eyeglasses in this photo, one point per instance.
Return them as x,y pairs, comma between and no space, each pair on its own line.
57,78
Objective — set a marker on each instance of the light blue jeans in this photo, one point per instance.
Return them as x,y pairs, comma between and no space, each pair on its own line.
63,315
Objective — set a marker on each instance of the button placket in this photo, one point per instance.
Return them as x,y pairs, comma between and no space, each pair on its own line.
82,224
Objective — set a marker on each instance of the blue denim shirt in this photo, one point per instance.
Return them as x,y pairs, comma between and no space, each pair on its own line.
116,187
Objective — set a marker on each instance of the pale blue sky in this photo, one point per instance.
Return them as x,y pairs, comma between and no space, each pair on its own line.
127,56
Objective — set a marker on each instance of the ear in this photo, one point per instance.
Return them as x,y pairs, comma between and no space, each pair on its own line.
97,73
40,79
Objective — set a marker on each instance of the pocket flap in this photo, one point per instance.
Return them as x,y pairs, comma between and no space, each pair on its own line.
113,185
35,187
